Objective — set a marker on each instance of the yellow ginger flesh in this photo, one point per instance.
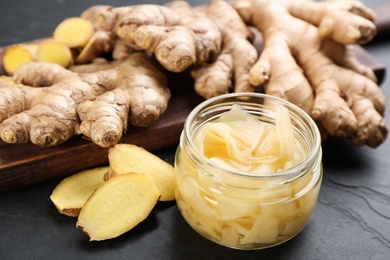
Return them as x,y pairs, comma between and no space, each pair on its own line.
241,142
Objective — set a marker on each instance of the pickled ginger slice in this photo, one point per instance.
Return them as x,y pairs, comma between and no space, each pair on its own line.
285,133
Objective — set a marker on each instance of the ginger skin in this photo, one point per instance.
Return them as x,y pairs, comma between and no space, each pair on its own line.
47,115
176,41
230,70
209,40
141,96
314,68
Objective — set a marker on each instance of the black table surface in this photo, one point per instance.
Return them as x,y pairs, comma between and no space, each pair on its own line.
351,220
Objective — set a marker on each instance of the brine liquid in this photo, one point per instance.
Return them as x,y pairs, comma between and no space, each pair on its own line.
243,211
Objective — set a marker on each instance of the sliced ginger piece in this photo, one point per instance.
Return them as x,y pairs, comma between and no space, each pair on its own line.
285,133
72,192
18,54
118,205
74,32
54,51
100,42
125,158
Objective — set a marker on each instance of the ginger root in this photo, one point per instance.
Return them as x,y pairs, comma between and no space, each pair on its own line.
230,70
176,41
308,60
44,109
140,97
311,63
209,40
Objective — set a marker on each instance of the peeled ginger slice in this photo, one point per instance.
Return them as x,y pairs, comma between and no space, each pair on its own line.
72,192
125,158
117,206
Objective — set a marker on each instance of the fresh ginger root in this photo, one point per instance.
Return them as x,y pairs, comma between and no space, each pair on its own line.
230,70
141,97
177,42
210,40
45,110
308,60
44,115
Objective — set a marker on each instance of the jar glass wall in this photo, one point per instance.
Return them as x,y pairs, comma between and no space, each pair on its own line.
241,210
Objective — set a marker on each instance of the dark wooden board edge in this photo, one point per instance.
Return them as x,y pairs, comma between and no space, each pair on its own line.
23,165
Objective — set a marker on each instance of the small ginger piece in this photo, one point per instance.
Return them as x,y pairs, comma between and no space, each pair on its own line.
74,32
124,158
53,51
72,192
17,54
117,206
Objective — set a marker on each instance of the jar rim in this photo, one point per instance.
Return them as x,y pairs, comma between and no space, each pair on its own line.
315,149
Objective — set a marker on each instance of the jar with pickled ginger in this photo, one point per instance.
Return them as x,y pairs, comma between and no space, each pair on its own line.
248,170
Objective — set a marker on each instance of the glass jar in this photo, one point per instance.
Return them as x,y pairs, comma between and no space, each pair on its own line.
240,210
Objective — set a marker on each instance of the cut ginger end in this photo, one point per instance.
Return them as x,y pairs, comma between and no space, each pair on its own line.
117,206
54,51
72,192
125,158
16,55
74,32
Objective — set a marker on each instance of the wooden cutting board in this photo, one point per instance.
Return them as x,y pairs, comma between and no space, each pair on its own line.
22,165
